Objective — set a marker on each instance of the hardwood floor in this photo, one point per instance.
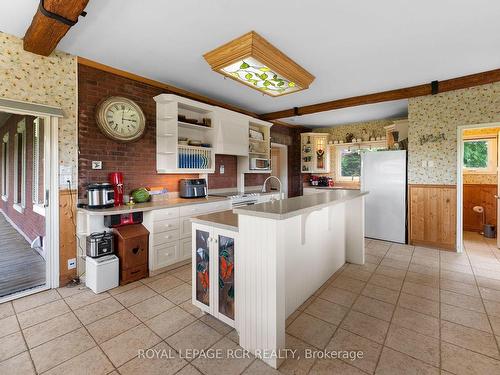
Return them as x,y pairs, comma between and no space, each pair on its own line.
21,267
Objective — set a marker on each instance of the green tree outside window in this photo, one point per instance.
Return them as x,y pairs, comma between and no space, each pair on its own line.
475,154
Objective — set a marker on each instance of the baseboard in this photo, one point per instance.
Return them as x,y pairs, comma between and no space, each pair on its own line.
436,245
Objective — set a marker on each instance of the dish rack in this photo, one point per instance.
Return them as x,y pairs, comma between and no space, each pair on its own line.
192,157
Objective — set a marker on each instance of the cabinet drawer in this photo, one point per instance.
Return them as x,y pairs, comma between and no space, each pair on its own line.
166,254
133,274
163,237
165,225
185,227
166,213
185,248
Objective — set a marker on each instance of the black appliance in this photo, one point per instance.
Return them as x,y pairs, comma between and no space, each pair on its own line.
100,244
192,188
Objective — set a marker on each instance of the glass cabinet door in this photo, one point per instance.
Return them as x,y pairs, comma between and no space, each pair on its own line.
202,267
226,275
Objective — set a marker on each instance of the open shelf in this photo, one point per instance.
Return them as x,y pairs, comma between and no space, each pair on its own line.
188,125
257,140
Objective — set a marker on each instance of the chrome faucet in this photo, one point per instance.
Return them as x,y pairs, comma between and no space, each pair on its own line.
264,185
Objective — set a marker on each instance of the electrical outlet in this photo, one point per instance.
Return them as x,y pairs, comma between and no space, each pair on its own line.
96,164
65,175
221,169
71,263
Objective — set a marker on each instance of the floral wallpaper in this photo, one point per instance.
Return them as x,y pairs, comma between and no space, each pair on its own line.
480,179
48,80
434,115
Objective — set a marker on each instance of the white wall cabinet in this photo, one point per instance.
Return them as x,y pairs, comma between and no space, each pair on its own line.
213,267
259,146
231,133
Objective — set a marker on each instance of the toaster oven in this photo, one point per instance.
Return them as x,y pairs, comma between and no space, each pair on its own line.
99,244
260,163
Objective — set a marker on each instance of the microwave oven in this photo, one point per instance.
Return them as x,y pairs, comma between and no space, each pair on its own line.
259,163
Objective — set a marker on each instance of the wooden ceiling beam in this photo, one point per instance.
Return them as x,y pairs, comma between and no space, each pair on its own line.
50,23
385,96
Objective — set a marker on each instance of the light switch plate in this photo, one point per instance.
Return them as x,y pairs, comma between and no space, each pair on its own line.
430,163
96,164
221,169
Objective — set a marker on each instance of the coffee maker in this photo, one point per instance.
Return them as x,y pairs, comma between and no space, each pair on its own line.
116,179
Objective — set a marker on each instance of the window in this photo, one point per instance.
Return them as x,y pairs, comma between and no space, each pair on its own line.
5,167
20,167
349,164
36,161
480,156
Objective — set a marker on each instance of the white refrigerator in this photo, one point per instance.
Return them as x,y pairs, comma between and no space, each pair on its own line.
383,175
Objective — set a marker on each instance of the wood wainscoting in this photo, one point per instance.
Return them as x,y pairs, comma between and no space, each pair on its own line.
67,234
432,215
479,195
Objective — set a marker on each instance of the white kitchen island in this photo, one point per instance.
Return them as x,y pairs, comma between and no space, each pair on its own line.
279,253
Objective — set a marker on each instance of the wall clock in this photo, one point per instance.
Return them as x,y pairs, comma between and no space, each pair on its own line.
121,119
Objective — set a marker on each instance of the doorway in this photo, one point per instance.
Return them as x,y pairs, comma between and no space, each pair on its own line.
279,167
477,185
28,183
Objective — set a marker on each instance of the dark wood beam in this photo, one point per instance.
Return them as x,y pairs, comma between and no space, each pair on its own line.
45,32
398,94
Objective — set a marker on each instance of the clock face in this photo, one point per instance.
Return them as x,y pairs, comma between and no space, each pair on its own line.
121,119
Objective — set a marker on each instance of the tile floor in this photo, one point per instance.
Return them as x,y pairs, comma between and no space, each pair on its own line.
411,310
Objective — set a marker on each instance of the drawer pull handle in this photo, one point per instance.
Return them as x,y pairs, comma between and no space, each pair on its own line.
134,272
135,250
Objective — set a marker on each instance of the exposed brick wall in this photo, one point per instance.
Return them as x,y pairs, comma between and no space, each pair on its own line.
230,177
29,222
137,160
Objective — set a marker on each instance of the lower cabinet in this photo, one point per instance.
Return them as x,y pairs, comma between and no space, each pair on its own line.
213,262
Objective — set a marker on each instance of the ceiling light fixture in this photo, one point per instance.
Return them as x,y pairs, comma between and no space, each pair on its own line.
252,60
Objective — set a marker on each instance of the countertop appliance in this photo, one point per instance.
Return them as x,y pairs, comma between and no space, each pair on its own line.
100,195
260,163
114,221
239,199
99,244
101,273
116,179
192,188
383,175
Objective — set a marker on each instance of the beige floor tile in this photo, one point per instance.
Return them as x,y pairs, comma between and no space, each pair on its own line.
420,290
189,370
468,338
366,326
333,366
42,313
347,341
306,303
424,261
299,364
192,309
426,270
197,335
98,310
311,330
465,317
19,365
151,307
458,276
92,361
458,287
327,311
113,325
258,367
35,300
233,336
216,324
170,321
373,307
381,293
8,325
135,295
349,284
495,325
426,252
165,283
293,316
386,282
416,345
394,263
402,256
486,283
464,362
373,259
396,363
46,331
61,349
420,278
415,321
364,267
492,308
85,298
226,364
124,288
179,294
340,296
390,272
490,294
357,274
184,273
68,291
456,268
419,304
159,364
126,346
11,345
6,310
462,300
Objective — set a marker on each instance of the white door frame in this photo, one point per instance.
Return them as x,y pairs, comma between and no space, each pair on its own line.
51,115
460,185
283,166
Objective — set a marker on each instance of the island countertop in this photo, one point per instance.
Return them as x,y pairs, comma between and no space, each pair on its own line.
223,219
287,208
